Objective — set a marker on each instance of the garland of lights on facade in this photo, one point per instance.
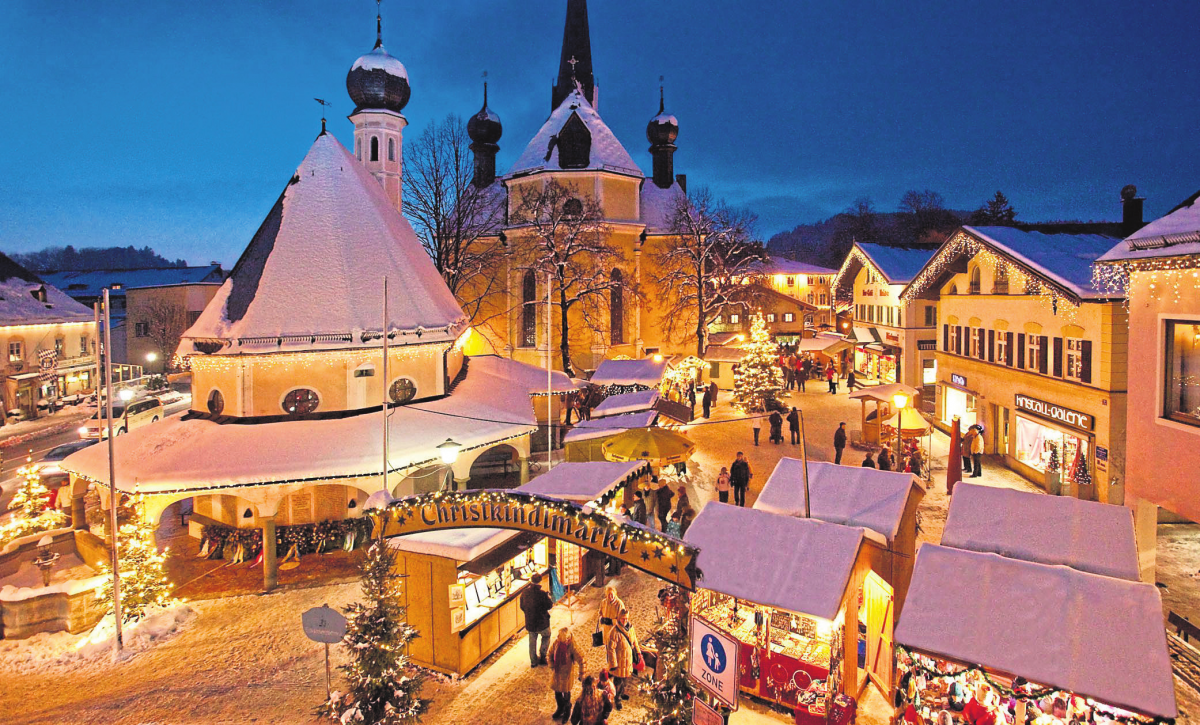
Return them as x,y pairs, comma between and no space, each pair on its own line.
857,255
1165,277
962,244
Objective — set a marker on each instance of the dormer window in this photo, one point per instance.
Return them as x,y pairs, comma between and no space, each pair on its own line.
574,144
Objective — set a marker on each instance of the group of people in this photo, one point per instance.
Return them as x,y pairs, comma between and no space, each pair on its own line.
798,369
600,694
972,451
690,393
736,478
910,461
652,504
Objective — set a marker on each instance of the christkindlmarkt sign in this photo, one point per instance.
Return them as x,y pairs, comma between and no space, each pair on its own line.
643,548
1056,413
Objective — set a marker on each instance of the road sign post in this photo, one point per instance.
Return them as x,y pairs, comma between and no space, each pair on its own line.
713,662
325,625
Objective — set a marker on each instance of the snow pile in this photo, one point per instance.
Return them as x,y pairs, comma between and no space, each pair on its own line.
64,651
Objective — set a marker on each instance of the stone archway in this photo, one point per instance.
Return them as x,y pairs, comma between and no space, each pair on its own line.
497,467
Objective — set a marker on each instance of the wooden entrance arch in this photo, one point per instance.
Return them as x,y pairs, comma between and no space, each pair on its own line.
643,548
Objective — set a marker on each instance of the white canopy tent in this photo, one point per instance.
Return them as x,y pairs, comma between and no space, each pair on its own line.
584,482
646,372
975,608
612,425
626,403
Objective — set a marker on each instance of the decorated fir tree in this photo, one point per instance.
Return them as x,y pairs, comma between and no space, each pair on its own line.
1052,463
384,688
30,498
1083,477
144,582
757,378
671,696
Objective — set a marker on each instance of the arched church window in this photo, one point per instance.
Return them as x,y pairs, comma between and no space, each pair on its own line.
975,278
374,148
616,309
216,402
301,401
402,390
391,149
573,208
529,310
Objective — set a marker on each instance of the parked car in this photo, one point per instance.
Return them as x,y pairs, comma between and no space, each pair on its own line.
126,417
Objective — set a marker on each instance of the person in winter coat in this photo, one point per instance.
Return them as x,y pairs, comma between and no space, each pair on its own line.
869,461
776,421
623,653
915,461
968,440
638,511
977,452
831,378
707,401
885,460
683,514
712,388
592,707
739,477
723,485
756,423
650,495
691,397
793,420
564,656
801,372
536,604
839,442
611,607
604,685
665,494
850,382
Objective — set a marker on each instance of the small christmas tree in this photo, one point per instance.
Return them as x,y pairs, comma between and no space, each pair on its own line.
1083,477
757,378
384,686
673,695
30,497
144,582
1052,463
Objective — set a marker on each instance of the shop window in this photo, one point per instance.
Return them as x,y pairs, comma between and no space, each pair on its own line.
1073,370
960,403
301,401
16,352
216,402
1037,442
616,309
1033,353
1181,389
974,286
529,310
770,317
402,390
789,317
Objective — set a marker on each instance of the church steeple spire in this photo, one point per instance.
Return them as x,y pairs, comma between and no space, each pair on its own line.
378,23
575,63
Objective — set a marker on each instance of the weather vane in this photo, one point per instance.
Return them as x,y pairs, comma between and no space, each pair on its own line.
323,103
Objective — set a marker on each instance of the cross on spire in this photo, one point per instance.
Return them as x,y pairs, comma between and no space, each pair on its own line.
572,62
661,105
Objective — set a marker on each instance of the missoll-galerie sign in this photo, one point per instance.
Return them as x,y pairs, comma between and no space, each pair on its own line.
1066,416
663,556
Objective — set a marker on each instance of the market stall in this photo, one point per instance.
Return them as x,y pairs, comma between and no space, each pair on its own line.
912,428
986,638
882,502
461,591
882,396
785,587
583,442
636,402
626,376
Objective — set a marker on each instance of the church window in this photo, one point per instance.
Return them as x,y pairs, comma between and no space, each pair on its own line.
374,148
573,208
391,149
216,402
616,309
301,401
529,310
402,390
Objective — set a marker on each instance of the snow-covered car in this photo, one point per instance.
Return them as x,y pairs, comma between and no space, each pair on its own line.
126,417
49,468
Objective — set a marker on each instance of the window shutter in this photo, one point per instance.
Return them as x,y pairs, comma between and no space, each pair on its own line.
1058,357
1086,373
991,346
1021,350
958,344
1008,349
1045,353
946,338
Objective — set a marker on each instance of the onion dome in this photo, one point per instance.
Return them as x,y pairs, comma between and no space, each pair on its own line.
484,127
377,80
663,128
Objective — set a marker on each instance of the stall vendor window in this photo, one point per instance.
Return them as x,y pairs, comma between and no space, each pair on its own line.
1037,443
1181,388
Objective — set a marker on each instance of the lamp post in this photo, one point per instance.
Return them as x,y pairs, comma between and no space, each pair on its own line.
448,452
900,400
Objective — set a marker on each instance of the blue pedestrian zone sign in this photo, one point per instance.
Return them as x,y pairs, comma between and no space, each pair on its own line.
713,661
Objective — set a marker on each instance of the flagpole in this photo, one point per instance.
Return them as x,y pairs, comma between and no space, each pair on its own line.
385,384
112,477
549,373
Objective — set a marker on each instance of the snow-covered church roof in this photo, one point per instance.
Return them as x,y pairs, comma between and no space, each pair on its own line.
607,153
313,273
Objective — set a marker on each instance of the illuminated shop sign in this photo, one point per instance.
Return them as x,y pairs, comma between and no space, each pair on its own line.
1056,413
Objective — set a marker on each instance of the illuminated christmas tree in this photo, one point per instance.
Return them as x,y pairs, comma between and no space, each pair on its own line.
757,378
673,695
384,686
1083,477
144,582
31,496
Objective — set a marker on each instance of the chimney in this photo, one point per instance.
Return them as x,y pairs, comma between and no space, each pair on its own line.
1131,210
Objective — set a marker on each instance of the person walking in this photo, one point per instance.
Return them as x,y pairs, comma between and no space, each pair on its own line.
793,420
723,485
592,707
850,382
831,378
839,442
536,604
624,653
739,477
869,461
610,606
665,494
885,460
706,401
967,444
776,421
691,396
801,372
756,422
651,498
564,656
977,452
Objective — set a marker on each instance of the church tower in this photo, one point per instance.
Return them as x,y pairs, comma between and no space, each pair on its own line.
575,64
378,85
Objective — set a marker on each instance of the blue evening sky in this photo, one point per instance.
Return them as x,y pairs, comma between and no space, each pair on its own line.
176,124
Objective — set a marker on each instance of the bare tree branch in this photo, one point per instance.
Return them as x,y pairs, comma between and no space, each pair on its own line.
165,321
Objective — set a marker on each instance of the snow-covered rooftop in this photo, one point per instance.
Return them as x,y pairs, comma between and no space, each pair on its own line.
899,265
1085,535
828,344
490,404
626,403
645,371
658,206
1063,258
91,283
526,377
19,306
457,544
783,265
848,495
607,153
316,266
1052,625
612,425
1173,235
582,482
801,565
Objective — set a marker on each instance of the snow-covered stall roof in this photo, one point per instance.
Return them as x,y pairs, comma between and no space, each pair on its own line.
1085,535
630,372
1174,235
1052,625
316,268
457,544
724,353
626,403
607,153
1063,258
487,406
583,482
658,206
801,565
19,306
827,344
526,377
849,495
612,425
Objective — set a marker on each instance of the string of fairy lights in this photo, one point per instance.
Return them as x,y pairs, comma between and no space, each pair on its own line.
1163,278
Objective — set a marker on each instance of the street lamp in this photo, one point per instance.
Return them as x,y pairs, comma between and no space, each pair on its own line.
125,395
151,356
449,451
900,400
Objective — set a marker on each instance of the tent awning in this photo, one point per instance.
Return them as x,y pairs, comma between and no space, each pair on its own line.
583,482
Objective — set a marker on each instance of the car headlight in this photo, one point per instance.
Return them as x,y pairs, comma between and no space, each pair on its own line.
83,431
